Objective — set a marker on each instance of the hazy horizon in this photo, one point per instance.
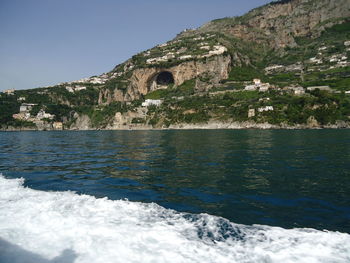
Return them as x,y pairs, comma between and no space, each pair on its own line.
47,42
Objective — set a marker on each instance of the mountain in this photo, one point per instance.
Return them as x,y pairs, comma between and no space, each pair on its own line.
296,50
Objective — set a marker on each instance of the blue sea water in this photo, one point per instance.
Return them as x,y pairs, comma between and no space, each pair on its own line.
279,178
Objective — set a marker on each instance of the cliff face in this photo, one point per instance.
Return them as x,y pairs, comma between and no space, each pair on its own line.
277,24
216,67
144,80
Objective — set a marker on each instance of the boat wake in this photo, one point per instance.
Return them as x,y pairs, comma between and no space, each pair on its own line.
38,226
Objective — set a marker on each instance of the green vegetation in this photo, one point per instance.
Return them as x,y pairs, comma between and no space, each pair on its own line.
307,47
331,42
34,111
60,111
325,107
185,89
55,100
8,106
338,78
21,124
245,73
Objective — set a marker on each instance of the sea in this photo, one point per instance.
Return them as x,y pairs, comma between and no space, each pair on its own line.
175,196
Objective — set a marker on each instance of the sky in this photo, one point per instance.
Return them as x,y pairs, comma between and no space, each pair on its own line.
45,42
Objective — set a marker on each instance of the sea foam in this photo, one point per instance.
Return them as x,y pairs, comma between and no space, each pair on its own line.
38,226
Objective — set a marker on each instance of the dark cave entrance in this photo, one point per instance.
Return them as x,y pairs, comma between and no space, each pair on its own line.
164,78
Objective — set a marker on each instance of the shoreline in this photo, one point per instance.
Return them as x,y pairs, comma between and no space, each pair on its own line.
199,126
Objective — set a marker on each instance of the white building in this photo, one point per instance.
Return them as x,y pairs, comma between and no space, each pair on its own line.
25,107
70,89
79,88
297,90
74,89
185,57
148,103
266,108
163,45
326,88
264,87
205,47
316,60
258,85
10,91
250,88
257,81
164,58
43,115
97,80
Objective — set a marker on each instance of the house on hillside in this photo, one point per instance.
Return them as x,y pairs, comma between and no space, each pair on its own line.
258,85
26,107
257,82
148,103
250,88
43,115
10,91
74,89
296,90
325,88
263,87
266,108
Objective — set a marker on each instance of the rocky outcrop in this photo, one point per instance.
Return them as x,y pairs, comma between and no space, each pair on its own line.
277,24
129,120
216,68
107,96
82,122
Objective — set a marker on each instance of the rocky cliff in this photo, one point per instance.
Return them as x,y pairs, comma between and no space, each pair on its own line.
279,23
144,80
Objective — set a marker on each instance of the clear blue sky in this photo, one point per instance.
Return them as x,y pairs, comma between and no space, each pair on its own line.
44,42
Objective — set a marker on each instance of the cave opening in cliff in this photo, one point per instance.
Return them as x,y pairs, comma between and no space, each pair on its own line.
165,78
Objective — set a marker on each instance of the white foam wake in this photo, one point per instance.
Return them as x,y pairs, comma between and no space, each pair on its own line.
37,226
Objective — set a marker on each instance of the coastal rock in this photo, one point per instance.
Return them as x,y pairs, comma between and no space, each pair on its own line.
82,122
312,122
129,120
141,80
